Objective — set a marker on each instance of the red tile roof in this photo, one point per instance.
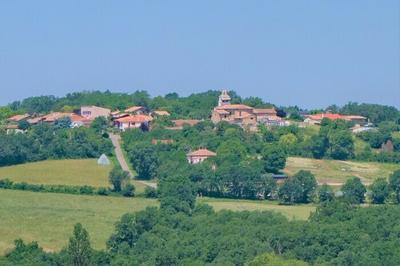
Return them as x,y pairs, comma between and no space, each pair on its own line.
17,118
269,111
135,119
233,107
202,153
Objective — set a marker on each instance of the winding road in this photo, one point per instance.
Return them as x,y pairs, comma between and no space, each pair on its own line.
116,141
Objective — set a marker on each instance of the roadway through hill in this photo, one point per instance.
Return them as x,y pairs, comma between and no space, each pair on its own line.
116,141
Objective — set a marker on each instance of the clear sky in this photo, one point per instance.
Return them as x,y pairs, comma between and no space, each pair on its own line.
309,53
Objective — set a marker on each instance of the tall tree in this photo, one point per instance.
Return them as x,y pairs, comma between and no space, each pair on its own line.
79,249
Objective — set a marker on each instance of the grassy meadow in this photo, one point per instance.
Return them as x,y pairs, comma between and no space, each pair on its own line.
49,217
339,171
63,172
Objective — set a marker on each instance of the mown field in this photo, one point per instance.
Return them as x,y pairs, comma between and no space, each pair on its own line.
49,217
333,171
62,172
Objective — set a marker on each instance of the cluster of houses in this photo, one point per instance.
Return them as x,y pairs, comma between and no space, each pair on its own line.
244,115
133,117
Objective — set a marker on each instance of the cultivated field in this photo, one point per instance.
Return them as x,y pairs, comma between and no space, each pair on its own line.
62,172
332,171
49,217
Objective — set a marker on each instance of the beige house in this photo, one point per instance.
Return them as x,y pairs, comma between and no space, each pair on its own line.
199,156
133,121
92,112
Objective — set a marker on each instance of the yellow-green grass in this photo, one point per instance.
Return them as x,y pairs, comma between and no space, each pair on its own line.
338,171
59,172
298,212
49,217
63,172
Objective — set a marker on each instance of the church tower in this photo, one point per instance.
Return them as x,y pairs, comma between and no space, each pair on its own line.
224,98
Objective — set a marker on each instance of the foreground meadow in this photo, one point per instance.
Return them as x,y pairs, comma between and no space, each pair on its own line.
49,217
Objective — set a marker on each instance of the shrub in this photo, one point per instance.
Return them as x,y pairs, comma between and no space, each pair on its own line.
103,191
150,192
128,190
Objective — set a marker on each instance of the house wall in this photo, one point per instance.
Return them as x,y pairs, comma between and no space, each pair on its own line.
91,112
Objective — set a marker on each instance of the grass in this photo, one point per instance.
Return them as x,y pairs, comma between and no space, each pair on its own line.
298,212
49,217
59,172
339,171
63,172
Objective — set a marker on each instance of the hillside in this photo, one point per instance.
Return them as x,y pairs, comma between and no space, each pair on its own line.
49,217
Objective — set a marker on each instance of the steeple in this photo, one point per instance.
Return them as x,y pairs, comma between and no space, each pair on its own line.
224,98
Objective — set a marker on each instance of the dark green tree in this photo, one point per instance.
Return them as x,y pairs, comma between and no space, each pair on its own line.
379,191
177,193
325,193
354,191
308,185
79,249
394,184
145,160
117,178
274,158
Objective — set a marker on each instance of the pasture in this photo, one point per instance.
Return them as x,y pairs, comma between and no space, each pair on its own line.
333,171
49,217
63,172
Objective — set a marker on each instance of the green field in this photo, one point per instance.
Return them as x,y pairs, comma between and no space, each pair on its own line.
338,171
300,212
62,172
49,217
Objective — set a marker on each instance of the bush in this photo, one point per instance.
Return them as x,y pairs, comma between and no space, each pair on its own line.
128,190
150,192
103,191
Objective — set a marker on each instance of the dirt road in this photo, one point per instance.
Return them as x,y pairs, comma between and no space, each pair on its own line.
116,141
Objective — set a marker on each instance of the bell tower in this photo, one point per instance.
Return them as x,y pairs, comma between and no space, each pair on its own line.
224,98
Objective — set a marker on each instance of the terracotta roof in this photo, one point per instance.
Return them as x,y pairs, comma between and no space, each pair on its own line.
134,109
115,112
135,119
233,107
271,111
202,153
78,118
17,118
222,112
160,112
182,122
52,117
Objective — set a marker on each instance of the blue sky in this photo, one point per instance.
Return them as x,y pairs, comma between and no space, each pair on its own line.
309,53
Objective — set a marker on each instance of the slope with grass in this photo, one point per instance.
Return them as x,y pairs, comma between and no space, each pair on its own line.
337,172
63,172
49,217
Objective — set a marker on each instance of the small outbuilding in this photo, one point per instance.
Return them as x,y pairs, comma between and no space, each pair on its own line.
103,160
